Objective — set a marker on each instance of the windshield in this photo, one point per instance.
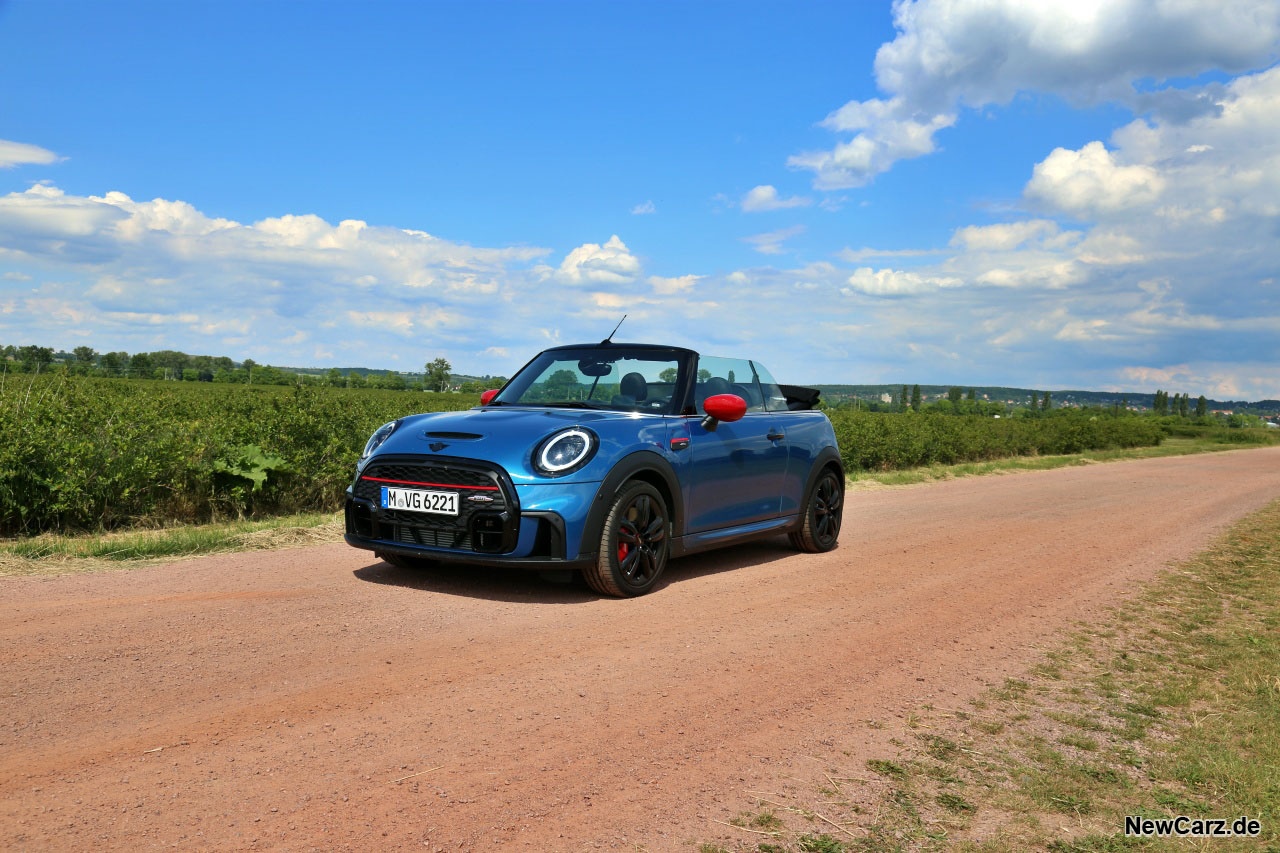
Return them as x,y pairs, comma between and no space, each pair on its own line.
615,377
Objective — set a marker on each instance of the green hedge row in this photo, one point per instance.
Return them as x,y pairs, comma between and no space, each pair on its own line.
82,453
886,441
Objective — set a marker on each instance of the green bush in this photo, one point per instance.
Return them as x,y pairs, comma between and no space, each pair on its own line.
84,453
882,441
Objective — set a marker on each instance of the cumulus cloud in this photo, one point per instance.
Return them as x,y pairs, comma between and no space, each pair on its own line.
669,286
952,54
1090,181
890,282
129,268
644,208
770,242
1003,236
592,263
765,197
20,153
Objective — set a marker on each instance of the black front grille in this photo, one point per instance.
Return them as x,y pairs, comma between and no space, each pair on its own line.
412,534
485,525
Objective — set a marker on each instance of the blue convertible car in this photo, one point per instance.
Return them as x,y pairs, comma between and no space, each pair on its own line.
605,458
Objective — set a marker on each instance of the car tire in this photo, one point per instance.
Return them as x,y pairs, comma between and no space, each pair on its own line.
634,543
403,561
823,511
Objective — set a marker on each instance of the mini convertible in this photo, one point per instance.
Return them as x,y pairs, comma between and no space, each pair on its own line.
609,459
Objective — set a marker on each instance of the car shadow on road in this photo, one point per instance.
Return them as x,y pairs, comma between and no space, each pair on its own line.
498,584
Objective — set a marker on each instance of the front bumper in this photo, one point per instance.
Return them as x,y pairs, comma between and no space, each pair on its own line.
533,526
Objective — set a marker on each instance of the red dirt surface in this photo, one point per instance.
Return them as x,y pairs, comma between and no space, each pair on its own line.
271,700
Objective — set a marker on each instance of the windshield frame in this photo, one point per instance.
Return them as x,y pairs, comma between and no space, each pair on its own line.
518,384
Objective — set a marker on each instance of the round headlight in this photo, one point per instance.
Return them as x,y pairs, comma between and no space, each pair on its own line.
567,450
380,435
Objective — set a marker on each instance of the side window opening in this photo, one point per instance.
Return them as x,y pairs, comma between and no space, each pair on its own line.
774,399
728,376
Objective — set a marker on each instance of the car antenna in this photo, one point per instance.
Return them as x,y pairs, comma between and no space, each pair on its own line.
609,339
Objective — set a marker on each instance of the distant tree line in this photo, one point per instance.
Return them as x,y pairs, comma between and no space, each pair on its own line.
173,365
1173,408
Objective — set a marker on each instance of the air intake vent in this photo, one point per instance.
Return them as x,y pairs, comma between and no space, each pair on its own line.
456,436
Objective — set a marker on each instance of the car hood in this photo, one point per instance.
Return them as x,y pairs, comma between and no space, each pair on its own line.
498,434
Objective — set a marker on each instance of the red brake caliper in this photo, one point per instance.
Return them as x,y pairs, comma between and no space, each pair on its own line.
623,550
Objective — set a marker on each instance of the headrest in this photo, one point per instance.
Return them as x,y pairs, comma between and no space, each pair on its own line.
634,386
717,385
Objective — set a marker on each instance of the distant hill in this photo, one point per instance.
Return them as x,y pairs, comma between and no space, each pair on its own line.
170,359
409,376
1021,396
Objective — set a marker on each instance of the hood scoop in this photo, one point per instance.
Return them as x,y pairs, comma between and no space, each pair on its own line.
456,436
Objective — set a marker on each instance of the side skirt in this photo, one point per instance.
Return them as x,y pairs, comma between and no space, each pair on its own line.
708,539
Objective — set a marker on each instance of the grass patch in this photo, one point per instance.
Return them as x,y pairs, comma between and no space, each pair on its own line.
888,769
1176,446
52,554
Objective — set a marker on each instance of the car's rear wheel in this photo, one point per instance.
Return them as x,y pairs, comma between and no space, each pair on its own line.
633,543
403,561
823,511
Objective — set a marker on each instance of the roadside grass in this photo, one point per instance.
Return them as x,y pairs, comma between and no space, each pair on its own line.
1174,446
1167,706
55,554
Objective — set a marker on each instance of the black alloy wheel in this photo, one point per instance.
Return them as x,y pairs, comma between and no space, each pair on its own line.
633,544
823,512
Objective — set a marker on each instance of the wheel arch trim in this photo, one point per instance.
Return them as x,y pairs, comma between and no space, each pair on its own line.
643,465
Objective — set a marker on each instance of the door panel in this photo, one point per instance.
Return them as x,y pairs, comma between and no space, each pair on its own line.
737,472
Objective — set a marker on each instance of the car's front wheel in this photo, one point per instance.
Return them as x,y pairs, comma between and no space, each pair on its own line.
633,543
823,511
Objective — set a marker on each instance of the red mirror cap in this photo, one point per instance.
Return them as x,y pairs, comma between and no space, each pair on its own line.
725,407
487,397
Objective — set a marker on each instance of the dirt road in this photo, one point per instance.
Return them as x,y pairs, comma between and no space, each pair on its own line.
270,699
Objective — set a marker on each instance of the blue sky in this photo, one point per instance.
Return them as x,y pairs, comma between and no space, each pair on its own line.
1050,195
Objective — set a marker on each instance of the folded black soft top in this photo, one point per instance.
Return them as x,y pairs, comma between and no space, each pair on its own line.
799,398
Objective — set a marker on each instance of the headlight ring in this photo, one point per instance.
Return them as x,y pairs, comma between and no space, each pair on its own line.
565,451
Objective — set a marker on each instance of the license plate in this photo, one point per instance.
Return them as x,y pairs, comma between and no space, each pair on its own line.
417,500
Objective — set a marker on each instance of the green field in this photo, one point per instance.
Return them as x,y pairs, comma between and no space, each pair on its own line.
84,453
88,454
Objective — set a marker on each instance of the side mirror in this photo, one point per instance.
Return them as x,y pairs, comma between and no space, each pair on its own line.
722,407
487,397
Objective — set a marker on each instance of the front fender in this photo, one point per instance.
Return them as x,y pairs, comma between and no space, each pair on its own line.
642,464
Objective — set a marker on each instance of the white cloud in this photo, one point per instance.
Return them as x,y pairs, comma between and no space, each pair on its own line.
592,263
644,208
1004,236
950,54
160,273
20,153
855,256
888,135
765,197
1220,381
1090,181
891,282
669,286
770,242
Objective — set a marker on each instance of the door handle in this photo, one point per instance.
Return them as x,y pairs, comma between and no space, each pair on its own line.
776,436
